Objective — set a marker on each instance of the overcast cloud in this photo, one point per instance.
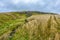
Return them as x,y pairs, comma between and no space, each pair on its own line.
30,5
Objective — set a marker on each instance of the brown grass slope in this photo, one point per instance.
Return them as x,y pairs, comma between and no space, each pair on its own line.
39,27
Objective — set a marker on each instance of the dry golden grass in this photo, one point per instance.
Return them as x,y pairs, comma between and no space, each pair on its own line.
39,27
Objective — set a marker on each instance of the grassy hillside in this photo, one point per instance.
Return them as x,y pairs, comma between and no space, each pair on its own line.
29,26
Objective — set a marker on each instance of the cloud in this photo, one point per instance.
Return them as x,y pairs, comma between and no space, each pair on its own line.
2,4
15,1
38,5
24,1
57,3
41,2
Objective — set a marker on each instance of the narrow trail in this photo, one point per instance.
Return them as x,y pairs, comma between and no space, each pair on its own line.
54,25
56,20
57,37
